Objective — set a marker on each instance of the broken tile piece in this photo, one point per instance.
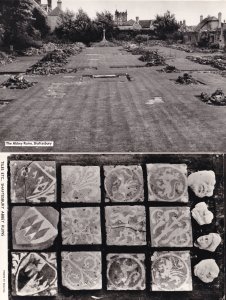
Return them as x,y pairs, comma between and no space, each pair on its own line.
171,227
34,274
167,182
81,225
171,271
124,183
125,272
34,227
81,184
33,181
81,270
125,225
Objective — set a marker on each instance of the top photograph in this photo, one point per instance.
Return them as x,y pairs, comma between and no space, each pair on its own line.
112,76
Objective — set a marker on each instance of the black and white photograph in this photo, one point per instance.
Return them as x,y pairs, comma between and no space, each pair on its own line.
122,244
112,76
112,149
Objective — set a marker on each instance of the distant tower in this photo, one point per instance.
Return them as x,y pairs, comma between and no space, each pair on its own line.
120,17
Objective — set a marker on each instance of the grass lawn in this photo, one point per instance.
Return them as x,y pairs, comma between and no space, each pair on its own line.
84,114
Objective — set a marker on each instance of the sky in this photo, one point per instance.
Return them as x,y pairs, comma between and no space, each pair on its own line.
147,9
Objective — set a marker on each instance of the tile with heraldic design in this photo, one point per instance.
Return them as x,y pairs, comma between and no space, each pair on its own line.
81,270
34,274
34,227
171,227
33,181
80,225
124,183
167,182
81,184
125,225
125,272
171,271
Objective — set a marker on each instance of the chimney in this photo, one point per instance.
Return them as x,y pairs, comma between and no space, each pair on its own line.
50,4
137,20
201,18
180,23
184,22
59,4
219,19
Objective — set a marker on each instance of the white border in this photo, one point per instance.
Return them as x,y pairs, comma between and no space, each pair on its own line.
3,228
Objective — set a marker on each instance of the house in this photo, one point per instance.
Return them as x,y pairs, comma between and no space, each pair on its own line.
54,17
123,24
210,29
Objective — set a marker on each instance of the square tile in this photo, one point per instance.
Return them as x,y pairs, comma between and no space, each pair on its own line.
171,271
171,227
34,227
81,225
125,272
125,225
34,274
167,182
81,184
81,270
33,181
124,183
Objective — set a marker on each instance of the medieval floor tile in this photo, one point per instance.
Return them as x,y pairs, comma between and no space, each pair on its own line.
81,270
34,227
33,181
125,272
167,182
124,183
81,184
125,225
81,225
34,274
171,227
171,271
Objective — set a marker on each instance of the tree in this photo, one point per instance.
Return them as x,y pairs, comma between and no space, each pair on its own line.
105,20
18,23
165,25
40,23
77,28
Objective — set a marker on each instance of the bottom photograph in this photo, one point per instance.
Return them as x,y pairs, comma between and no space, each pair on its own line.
116,226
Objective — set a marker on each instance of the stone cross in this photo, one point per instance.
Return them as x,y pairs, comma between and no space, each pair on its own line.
104,31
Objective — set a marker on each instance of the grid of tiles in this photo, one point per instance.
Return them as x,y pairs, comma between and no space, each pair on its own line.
102,232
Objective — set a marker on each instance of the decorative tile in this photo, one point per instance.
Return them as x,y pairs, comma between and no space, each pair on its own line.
81,184
33,181
125,272
167,182
34,228
34,274
81,225
171,227
171,271
125,225
124,183
81,270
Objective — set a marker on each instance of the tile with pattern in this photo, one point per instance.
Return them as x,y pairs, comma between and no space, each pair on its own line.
171,271
80,184
34,274
125,271
125,225
80,225
171,227
81,270
34,227
33,181
124,183
167,182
